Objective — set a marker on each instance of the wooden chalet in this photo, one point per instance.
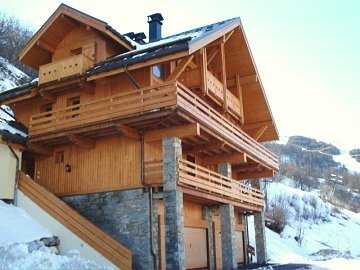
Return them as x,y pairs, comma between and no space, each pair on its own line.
179,119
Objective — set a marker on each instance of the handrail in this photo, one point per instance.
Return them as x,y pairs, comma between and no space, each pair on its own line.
197,177
205,114
87,231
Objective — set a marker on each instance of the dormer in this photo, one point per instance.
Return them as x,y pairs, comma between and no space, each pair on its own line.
69,43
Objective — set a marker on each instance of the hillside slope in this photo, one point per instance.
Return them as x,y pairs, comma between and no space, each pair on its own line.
10,76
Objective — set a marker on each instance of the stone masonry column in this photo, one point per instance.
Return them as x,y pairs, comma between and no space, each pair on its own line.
173,206
227,224
259,224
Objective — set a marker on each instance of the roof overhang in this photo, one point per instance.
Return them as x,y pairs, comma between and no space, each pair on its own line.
41,46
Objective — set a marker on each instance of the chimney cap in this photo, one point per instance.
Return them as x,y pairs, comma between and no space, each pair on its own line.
155,17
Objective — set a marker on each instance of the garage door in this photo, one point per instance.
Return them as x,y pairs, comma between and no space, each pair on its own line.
195,248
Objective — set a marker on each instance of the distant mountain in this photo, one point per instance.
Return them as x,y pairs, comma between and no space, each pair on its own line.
10,76
306,160
355,153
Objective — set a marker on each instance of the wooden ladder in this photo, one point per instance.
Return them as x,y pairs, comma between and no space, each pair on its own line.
83,228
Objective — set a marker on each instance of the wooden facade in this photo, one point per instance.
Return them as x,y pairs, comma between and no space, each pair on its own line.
104,132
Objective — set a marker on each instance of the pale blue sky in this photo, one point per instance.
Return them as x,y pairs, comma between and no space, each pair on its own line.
307,52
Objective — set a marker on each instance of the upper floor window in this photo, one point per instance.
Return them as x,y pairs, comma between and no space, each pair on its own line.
158,71
76,51
46,108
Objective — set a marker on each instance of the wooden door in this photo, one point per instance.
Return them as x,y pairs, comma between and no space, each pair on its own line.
239,246
217,240
195,248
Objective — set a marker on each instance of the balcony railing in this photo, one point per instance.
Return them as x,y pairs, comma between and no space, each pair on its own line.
66,67
204,180
193,176
148,100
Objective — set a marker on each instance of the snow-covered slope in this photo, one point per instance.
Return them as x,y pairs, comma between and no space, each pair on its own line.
20,248
10,76
331,237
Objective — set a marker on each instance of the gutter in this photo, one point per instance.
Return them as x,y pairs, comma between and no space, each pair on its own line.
16,172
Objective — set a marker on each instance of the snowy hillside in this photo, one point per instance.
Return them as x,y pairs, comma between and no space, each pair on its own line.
10,76
327,236
20,247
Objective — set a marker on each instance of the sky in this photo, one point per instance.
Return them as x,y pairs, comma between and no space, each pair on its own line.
307,52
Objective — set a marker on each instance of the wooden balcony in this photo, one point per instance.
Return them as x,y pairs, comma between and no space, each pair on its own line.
138,105
195,179
66,67
216,91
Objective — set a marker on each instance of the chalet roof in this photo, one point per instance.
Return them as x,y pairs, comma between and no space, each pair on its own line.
187,40
11,130
18,91
38,50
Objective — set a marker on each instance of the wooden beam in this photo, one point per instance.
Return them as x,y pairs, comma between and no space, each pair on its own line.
179,132
240,97
204,147
256,125
204,71
223,76
45,46
89,88
260,132
32,94
192,65
255,175
232,159
151,62
180,68
40,149
129,132
212,55
228,35
81,141
243,80
47,96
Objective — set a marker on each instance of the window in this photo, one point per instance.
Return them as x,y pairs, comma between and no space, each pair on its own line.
158,71
59,157
74,102
76,51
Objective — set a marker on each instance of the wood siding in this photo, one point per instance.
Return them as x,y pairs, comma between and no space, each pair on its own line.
113,164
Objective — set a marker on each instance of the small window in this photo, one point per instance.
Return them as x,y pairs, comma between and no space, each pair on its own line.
158,71
59,157
76,51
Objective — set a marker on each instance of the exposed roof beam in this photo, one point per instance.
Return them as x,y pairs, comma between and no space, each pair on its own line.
232,159
212,55
48,96
81,141
45,46
128,132
180,68
228,35
243,80
39,149
255,175
179,132
260,132
256,125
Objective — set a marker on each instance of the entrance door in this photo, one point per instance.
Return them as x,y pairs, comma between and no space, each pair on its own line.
195,247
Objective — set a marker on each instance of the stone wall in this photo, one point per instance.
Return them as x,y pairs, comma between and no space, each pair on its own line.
124,215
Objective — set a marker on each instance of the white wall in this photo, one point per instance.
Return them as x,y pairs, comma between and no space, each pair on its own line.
68,240
7,171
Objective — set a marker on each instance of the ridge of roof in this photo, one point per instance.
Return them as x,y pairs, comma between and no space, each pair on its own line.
170,44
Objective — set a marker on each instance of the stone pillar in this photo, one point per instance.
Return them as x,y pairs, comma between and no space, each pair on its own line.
227,224
259,223
208,214
173,206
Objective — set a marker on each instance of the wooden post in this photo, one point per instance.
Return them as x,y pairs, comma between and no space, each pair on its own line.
223,74
204,71
240,96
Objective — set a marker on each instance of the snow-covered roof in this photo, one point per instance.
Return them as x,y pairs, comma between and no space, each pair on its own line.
168,45
10,77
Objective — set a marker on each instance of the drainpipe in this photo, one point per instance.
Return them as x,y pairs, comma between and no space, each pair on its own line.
153,253
16,173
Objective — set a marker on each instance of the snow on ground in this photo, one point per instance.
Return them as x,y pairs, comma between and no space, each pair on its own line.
20,248
349,162
331,239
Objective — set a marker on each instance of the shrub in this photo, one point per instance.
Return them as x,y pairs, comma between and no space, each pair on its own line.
278,214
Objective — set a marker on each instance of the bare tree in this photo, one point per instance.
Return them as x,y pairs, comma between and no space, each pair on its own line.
13,37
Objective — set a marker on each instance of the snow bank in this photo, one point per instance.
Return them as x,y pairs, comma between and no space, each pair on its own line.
35,255
331,239
10,76
17,226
